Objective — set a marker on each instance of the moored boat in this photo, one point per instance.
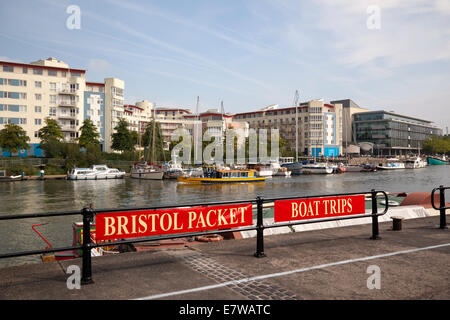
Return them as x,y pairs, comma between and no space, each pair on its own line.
145,171
433,161
415,163
317,168
391,164
95,172
213,175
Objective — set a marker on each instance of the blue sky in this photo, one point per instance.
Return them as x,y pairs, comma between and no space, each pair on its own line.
248,53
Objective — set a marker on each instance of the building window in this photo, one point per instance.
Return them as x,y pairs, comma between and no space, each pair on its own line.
38,96
25,70
38,84
8,69
52,98
53,86
52,112
37,109
37,71
52,73
36,134
37,122
75,74
63,74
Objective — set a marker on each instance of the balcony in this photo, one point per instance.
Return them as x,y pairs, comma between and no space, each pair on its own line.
67,103
67,115
70,91
70,127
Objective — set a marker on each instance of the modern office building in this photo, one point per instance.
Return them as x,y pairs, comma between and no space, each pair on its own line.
349,107
319,126
392,134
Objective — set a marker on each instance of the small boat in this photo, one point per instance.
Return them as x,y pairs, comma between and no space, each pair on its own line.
415,163
317,168
433,161
263,170
278,170
211,174
295,168
145,171
95,172
354,168
391,203
368,168
4,177
391,164
173,170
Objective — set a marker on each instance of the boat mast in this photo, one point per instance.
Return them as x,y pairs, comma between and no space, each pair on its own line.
296,124
153,141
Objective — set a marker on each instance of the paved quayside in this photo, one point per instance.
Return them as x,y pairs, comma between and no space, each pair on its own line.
320,264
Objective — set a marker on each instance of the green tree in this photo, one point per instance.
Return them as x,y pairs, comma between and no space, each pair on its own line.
13,138
51,138
123,139
89,134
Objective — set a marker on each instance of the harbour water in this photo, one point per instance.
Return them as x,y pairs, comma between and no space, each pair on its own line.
62,195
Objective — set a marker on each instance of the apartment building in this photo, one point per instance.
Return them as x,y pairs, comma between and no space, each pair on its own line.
30,92
319,126
45,88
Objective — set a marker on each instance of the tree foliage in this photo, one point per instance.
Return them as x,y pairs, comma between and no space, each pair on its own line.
123,139
51,138
437,145
13,138
89,134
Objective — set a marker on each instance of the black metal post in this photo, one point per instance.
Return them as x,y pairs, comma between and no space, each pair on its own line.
443,222
374,216
88,216
260,228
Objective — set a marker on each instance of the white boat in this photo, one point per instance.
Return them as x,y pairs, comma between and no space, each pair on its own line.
319,168
415,163
144,171
392,164
295,168
95,172
263,171
278,170
354,168
173,170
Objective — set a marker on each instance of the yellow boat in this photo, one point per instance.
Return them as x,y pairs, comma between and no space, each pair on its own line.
213,175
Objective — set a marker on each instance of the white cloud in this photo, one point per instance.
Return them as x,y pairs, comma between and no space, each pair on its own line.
411,32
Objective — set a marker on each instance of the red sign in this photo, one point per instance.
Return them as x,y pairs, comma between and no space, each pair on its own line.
145,223
316,208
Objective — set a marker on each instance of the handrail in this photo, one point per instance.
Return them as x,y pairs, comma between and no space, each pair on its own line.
442,207
89,214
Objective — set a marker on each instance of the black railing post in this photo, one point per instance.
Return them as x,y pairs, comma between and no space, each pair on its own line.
443,222
260,228
88,216
375,216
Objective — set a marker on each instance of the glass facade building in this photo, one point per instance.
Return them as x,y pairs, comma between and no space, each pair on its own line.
391,133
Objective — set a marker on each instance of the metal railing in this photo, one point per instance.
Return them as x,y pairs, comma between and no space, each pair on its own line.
442,208
89,214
